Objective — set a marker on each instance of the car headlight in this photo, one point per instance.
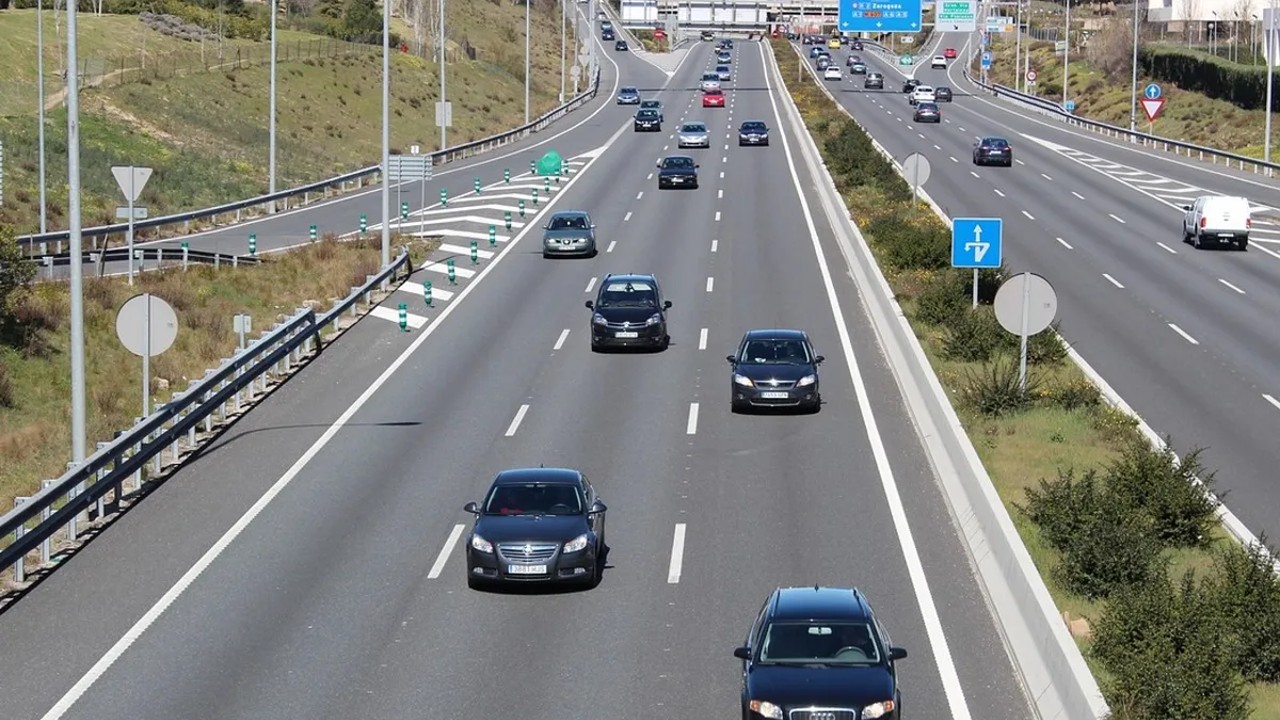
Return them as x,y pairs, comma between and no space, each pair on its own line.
807,380
484,546
654,319
579,544
767,709
880,709
598,319
742,380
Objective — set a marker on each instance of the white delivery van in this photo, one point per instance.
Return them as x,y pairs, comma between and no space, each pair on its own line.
1217,219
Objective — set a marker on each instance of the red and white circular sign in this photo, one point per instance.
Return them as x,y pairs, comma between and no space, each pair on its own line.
1031,76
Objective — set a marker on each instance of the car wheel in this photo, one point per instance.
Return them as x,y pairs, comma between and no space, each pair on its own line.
695,184
1243,244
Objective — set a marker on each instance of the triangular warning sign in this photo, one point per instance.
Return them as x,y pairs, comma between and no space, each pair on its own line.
1152,108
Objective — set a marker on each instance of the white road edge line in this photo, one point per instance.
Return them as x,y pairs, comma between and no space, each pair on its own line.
1233,287
677,555
1271,400
86,681
515,421
702,339
691,426
445,552
1184,334
564,335
915,567
1110,279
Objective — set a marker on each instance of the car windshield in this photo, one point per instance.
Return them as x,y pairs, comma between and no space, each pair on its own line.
753,127
647,114
711,76
650,104
693,128
829,643
630,91
927,107
714,93
722,68
678,163
534,499
568,222
778,351
629,294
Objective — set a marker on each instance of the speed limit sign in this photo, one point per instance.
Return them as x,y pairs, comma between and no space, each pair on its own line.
1031,76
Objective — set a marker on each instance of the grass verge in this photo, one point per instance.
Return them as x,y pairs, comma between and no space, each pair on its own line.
35,438
205,133
1060,428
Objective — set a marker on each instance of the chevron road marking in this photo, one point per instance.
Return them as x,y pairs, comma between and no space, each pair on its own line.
415,289
464,234
443,269
466,218
392,314
459,250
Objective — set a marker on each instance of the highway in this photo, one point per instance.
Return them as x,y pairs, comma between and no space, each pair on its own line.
306,564
1185,336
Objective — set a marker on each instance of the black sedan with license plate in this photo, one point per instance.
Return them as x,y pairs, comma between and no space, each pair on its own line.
677,171
629,312
775,369
753,132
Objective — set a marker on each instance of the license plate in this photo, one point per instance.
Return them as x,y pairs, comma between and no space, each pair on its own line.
775,395
677,180
626,335
526,569
566,242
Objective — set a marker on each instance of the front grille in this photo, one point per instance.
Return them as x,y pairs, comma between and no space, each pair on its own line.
770,385
823,714
626,326
527,552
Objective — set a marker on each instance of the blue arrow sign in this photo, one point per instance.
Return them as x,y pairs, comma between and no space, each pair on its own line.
1070,105
977,242
1151,92
986,60
880,15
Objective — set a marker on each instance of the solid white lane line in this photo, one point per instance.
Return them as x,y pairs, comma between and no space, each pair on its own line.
937,637
1184,334
1078,195
1166,247
677,555
715,245
1112,280
1065,244
627,217
711,282
445,552
702,339
564,335
590,284
691,425
612,243
1271,400
1046,177
515,421
717,216
639,194
1029,215
998,192
1233,287
1117,218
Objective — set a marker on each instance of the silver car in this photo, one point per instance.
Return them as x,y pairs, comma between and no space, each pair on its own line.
569,232
710,81
694,134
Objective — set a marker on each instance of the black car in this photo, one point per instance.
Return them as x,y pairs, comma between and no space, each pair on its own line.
775,369
653,104
857,45
819,652
620,46
753,132
874,81
537,525
942,93
677,171
993,151
648,120
910,84
927,112
629,312
606,35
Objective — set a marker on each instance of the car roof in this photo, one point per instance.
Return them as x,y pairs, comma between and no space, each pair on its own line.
819,603
569,213
520,476
993,137
775,333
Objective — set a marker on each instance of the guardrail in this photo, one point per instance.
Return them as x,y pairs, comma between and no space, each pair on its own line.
323,187
163,438
1059,683
158,255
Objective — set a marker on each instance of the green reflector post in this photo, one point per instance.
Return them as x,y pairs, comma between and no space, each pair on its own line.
475,252
426,291
453,272
404,317
493,236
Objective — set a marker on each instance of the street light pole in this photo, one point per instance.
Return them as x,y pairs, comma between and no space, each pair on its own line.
1066,55
443,98
1133,86
1271,72
44,215
78,439
1017,50
527,3
564,32
386,133
271,123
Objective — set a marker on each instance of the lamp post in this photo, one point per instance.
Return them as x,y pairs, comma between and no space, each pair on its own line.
527,3
76,234
1133,88
44,216
1271,72
443,97
271,122
564,32
1066,55
1017,50
386,134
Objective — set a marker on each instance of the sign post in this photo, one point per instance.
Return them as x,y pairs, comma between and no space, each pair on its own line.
146,326
131,181
1152,103
916,168
977,243
1025,305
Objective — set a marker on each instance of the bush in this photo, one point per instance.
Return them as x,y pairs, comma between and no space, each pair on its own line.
1046,347
943,299
7,399
16,274
1182,511
1167,654
1074,395
1216,77
975,336
1059,507
1246,591
910,247
995,389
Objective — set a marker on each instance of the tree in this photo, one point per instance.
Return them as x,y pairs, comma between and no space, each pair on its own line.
362,17
16,274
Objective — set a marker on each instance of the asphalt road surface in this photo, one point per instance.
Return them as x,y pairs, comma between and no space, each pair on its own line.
303,566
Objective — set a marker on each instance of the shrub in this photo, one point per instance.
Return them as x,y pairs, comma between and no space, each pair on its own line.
943,298
1182,511
16,274
975,336
995,388
910,247
7,398
1046,348
1112,548
1075,395
1247,592
1167,654
1059,506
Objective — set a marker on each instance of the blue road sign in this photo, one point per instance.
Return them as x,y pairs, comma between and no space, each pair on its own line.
986,60
977,242
1070,105
1151,92
880,15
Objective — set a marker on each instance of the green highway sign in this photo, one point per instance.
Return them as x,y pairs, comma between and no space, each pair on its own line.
906,60
957,15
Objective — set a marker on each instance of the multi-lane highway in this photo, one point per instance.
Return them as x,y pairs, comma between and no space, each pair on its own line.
307,564
1186,336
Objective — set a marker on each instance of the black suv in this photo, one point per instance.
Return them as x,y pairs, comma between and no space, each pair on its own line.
537,525
819,652
620,46
629,312
775,369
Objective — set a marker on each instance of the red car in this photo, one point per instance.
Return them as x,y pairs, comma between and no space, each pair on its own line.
949,53
713,98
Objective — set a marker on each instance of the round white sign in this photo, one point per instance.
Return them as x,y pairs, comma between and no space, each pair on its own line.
1029,293
146,325
1031,76
916,168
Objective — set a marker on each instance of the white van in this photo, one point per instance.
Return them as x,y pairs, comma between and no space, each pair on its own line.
1217,219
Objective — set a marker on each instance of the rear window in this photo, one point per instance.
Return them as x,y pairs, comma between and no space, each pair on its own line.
996,142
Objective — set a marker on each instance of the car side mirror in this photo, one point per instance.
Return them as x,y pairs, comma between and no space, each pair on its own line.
731,359
742,653
658,164
593,226
1186,207
819,360
666,305
597,508
472,508
697,165
590,305
897,653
